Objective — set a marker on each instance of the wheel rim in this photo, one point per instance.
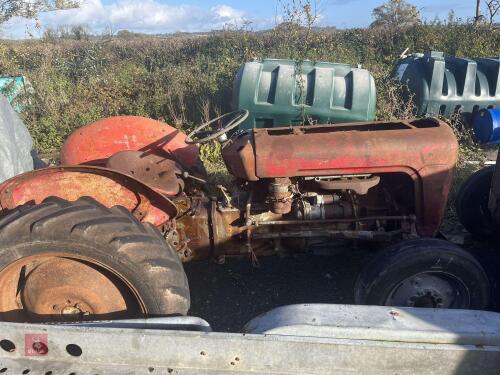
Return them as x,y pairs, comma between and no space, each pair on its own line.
62,287
430,290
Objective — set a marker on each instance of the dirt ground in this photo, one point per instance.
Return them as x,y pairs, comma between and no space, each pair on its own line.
230,295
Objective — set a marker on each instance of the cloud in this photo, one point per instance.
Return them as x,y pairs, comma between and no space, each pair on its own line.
444,7
149,16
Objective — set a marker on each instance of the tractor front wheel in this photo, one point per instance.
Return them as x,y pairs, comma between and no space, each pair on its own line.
71,261
424,273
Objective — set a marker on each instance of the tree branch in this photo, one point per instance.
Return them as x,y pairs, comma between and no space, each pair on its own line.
31,8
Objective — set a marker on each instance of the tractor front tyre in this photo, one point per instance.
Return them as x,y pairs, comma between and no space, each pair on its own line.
424,273
72,261
472,204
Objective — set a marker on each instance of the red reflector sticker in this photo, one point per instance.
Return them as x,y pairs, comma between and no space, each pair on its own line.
36,344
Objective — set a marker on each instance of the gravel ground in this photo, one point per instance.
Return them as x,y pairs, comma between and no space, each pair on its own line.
230,295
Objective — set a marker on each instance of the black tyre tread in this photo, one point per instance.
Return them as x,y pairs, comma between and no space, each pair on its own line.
391,259
105,226
69,214
467,203
21,224
134,250
471,181
126,213
378,266
114,229
59,201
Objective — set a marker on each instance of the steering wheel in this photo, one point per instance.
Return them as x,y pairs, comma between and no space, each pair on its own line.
232,119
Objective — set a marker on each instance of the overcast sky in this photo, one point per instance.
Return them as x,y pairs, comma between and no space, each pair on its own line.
166,16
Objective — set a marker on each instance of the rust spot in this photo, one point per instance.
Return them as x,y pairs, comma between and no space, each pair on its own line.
111,188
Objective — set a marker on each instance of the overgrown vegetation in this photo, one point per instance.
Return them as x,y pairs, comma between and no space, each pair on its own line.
77,78
181,79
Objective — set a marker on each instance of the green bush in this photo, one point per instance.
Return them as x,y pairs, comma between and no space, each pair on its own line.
182,79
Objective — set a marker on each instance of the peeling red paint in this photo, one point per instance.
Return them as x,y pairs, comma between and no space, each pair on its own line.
108,187
94,143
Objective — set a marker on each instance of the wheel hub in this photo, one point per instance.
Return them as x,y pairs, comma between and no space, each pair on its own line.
62,288
429,290
427,298
73,309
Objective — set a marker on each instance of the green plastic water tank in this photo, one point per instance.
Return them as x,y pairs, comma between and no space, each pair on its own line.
284,92
443,85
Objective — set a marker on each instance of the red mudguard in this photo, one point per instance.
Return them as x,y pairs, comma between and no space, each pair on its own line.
95,143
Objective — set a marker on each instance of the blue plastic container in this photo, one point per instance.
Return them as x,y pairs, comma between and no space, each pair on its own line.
486,125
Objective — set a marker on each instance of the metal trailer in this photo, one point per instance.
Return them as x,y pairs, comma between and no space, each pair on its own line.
298,339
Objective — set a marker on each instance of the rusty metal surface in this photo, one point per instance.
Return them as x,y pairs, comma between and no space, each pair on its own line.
281,195
108,187
358,185
203,229
354,148
96,142
192,237
31,290
333,221
426,150
159,172
239,156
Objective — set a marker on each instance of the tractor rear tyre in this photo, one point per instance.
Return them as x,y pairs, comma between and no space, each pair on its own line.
424,273
72,261
472,204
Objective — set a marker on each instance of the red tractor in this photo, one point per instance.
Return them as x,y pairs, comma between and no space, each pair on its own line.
103,235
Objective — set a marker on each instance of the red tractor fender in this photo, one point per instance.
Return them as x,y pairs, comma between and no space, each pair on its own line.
95,143
109,187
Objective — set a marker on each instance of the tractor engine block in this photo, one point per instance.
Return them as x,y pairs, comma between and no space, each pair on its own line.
328,198
322,207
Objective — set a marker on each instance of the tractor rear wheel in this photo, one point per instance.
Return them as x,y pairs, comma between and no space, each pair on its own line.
472,204
424,273
71,261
